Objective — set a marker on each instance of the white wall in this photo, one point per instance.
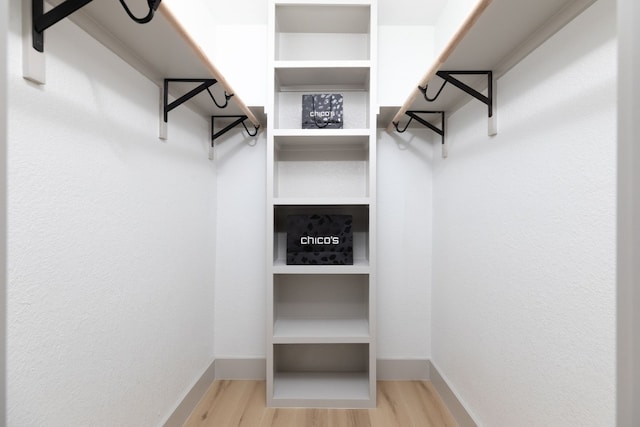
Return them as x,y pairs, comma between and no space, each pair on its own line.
4,12
110,241
524,239
241,283
405,166
628,212
405,52
449,20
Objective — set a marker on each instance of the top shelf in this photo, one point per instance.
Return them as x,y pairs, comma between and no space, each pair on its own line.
322,17
160,49
478,45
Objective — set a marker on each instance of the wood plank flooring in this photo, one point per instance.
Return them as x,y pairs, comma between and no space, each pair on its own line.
242,404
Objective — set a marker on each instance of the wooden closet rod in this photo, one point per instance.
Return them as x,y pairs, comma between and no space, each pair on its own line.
449,48
166,12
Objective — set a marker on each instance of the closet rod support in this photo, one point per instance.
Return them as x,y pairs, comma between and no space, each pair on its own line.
205,84
40,20
240,119
448,77
414,115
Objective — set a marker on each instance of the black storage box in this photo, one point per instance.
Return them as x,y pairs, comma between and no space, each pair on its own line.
322,111
319,239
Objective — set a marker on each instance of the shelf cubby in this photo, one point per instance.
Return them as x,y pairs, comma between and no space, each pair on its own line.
312,308
322,31
360,230
328,165
288,105
333,374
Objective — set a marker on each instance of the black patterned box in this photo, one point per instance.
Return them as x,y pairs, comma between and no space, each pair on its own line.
319,239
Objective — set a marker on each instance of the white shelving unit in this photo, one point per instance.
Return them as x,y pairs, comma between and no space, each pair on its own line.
321,318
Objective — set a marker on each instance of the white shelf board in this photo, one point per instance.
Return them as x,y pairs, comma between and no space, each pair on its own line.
159,49
319,140
360,266
323,2
280,134
330,331
321,389
321,201
335,143
495,40
299,76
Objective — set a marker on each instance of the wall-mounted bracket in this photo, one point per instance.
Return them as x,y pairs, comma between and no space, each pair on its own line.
41,20
36,21
238,120
414,115
205,85
488,100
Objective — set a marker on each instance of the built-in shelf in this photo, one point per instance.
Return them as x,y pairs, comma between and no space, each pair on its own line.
322,389
321,166
288,105
311,308
360,266
160,49
312,331
360,231
322,17
523,24
321,349
322,375
297,76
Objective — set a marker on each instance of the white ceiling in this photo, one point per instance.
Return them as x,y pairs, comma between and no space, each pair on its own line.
409,12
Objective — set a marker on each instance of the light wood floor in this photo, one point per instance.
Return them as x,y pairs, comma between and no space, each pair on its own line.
242,404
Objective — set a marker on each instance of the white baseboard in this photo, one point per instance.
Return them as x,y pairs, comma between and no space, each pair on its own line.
450,399
193,396
255,369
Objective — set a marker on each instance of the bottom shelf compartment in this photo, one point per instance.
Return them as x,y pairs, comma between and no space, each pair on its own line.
322,376
307,388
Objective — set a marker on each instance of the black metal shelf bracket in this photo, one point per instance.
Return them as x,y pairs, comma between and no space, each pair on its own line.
41,20
448,77
414,115
240,119
205,84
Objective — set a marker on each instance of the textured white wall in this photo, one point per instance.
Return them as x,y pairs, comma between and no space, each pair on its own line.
4,12
451,16
405,52
111,231
405,166
628,212
524,239
241,283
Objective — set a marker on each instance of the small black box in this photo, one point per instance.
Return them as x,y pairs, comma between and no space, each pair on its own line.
322,111
319,239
